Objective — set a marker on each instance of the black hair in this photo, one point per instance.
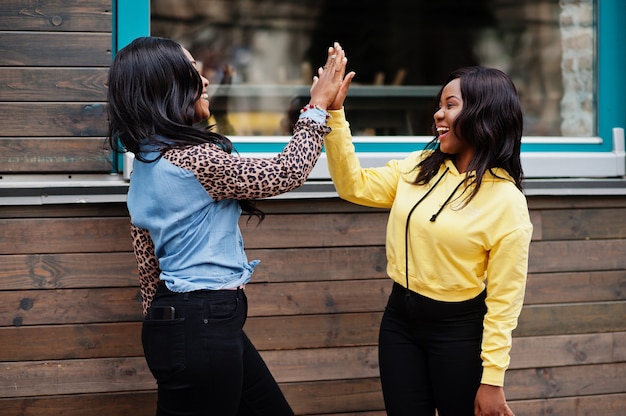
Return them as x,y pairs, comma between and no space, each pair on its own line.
490,121
152,90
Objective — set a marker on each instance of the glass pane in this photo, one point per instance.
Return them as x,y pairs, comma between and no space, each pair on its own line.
401,50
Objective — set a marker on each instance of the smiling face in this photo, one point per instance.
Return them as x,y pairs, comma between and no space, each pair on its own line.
450,106
202,105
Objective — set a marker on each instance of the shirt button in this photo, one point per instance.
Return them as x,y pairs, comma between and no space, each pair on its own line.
206,321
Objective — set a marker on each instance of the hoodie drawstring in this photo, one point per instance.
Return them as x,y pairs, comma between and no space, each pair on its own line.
432,219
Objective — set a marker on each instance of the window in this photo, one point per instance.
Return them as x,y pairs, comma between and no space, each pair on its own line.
563,56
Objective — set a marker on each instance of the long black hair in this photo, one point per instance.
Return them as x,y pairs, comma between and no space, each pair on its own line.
490,121
152,90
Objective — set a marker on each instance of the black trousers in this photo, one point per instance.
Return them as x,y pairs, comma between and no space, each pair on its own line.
429,354
203,361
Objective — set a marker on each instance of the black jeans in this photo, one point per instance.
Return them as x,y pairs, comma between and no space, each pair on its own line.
203,361
429,354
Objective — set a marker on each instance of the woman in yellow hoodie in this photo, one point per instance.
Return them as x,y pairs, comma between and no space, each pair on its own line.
457,247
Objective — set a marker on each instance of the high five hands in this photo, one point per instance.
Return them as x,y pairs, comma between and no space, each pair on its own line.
330,86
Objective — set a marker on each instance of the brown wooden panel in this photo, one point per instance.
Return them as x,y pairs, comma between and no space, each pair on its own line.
322,363
579,256
560,350
603,404
102,404
66,306
55,49
104,375
53,84
34,378
122,339
575,287
50,155
80,270
56,271
318,297
305,398
581,224
106,234
314,331
47,120
578,318
334,205
64,235
330,230
26,379
552,382
58,342
322,397
57,15
305,264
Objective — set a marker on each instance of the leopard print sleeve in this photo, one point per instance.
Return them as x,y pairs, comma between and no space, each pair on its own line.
228,176
147,263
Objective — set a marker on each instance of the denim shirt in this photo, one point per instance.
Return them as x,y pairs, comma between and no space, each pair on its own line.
196,238
185,204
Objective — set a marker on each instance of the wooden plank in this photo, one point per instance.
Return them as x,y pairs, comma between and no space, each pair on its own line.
318,297
576,318
122,339
329,230
92,305
47,120
25,379
561,350
582,224
314,331
323,363
57,15
67,306
59,342
314,264
141,403
552,382
53,84
332,205
78,49
119,269
35,378
51,155
57,271
602,404
323,397
579,256
292,333
575,287
64,235
46,378
305,398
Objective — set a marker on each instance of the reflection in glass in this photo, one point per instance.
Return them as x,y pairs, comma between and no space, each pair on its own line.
401,50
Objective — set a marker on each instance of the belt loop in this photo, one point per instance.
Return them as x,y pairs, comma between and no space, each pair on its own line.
185,296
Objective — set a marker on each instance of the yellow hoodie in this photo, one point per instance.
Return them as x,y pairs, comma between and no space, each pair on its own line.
453,248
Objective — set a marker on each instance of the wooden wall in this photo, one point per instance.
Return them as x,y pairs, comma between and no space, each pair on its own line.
54,57
70,314
69,302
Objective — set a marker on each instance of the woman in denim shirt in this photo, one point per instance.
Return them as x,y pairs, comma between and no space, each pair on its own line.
187,191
